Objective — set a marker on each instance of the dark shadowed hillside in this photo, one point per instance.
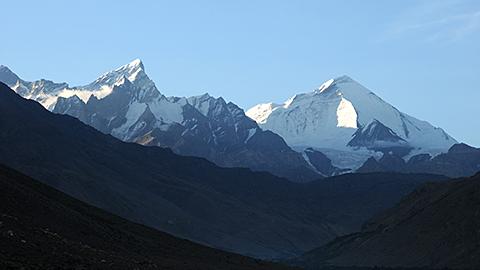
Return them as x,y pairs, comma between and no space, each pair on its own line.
42,228
437,226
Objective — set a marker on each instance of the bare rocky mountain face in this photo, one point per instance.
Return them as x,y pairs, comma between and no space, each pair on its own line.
460,160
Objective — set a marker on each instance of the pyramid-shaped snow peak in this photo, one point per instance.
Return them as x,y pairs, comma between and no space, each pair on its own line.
331,115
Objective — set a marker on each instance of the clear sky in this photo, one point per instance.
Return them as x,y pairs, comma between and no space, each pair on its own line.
421,56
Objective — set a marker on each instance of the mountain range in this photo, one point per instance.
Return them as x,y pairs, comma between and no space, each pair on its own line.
234,209
126,104
339,127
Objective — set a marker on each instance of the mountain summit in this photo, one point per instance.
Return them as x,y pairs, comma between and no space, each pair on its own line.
133,71
344,116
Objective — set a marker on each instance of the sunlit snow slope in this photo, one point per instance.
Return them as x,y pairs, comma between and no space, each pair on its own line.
342,115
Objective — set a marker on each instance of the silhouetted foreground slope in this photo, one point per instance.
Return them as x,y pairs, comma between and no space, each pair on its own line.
42,228
437,226
254,214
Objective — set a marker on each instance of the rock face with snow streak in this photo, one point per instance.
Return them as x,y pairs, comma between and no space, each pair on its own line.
126,104
460,160
342,116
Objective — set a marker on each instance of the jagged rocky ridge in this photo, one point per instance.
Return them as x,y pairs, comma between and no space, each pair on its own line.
460,160
126,104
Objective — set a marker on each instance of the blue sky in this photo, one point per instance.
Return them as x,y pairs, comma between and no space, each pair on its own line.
421,56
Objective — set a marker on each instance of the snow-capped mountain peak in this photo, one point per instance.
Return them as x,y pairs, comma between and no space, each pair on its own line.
329,117
343,85
133,71
136,63
338,90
